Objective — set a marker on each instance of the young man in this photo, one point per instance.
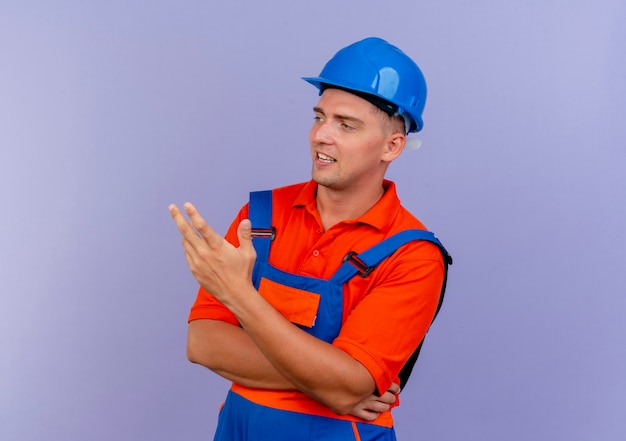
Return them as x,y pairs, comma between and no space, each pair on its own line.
321,291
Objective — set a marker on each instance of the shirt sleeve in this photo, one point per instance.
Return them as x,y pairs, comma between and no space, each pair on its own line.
206,306
388,324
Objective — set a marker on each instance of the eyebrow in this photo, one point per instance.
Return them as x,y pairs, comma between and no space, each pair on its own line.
338,116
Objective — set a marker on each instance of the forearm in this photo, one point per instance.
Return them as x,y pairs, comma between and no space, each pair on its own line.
230,352
313,366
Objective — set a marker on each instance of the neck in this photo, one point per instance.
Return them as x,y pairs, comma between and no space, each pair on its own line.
335,206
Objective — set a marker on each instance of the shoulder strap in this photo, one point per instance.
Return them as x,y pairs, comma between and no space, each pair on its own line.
366,261
260,215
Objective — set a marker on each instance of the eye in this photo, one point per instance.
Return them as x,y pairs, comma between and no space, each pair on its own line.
346,126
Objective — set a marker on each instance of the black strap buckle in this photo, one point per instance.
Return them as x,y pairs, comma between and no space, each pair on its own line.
269,233
353,258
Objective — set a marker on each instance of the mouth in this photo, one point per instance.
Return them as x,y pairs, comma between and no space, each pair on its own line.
324,158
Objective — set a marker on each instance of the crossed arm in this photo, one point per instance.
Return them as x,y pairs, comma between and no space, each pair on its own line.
267,351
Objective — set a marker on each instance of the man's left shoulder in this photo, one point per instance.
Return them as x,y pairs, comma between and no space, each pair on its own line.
407,221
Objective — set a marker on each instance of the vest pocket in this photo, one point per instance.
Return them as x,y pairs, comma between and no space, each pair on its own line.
296,305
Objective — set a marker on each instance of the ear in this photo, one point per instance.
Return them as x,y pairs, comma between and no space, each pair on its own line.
394,146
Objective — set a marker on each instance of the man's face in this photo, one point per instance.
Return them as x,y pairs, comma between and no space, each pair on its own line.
348,141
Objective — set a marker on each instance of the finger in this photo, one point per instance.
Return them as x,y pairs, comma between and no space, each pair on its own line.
191,239
364,414
378,406
368,415
189,260
388,398
189,248
201,226
180,220
394,388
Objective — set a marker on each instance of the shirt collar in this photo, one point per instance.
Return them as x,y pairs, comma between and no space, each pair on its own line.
380,216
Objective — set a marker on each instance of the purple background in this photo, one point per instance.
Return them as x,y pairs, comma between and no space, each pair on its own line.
111,111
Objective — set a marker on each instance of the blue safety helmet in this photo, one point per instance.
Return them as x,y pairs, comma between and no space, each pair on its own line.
378,70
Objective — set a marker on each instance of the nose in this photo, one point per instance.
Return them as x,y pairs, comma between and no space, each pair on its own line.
321,132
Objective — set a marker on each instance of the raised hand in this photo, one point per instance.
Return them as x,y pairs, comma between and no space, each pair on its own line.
217,265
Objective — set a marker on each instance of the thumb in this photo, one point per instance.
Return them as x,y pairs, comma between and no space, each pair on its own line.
244,233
